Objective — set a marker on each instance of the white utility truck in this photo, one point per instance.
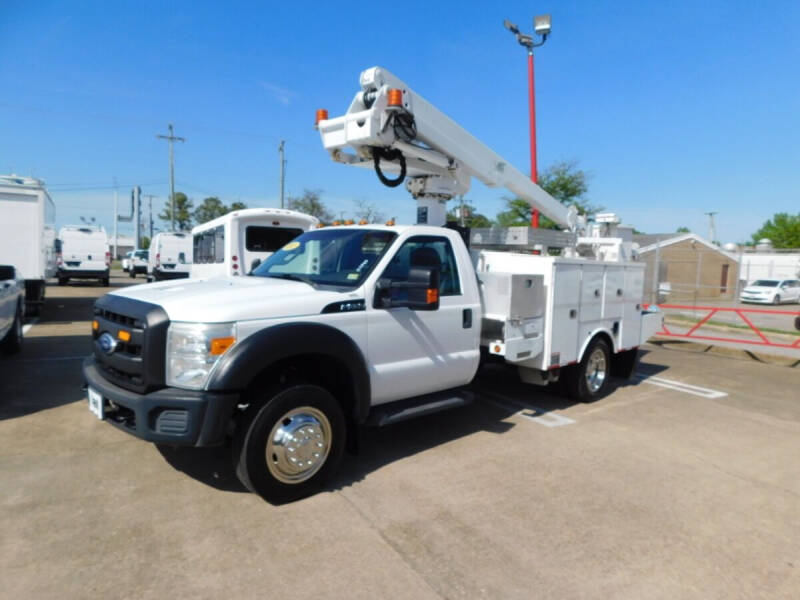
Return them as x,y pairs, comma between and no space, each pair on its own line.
138,263
28,234
12,309
353,325
236,243
170,256
83,253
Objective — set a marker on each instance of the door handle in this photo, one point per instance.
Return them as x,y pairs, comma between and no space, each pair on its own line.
466,318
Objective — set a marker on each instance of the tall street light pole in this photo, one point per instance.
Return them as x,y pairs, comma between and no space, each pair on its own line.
171,138
541,27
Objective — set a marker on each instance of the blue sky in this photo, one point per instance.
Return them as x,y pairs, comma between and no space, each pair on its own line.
674,108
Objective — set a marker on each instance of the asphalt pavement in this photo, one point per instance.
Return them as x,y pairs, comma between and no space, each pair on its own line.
682,483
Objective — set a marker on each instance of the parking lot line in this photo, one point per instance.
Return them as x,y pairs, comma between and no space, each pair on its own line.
535,414
26,328
680,386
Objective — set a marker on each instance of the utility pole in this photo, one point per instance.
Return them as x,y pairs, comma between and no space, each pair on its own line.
116,213
283,166
171,138
150,212
712,230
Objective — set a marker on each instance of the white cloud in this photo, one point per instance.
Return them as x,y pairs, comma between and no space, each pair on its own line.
281,94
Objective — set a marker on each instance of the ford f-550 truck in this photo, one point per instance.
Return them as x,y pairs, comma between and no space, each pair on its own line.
363,324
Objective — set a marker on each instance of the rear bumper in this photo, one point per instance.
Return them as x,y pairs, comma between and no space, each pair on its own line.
82,273
138,268
169,415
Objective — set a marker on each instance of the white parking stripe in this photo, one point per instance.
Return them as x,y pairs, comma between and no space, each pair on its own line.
27,328
681,387
535,414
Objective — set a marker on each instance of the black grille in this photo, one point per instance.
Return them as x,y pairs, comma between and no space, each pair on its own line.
136,364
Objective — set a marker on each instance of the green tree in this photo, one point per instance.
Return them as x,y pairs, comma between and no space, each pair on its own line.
473,218
211,208
783,230
237,206
183,212
310,204
144,242
683,230
565,182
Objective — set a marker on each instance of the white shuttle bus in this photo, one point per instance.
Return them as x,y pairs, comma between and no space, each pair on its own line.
170,256
236,243
83,253
28,235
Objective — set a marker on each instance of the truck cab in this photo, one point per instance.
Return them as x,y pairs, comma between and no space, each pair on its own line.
338,323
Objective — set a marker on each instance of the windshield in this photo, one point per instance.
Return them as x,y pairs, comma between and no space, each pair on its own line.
341,257
142,254
765,283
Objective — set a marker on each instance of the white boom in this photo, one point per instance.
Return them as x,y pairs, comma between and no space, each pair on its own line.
393,129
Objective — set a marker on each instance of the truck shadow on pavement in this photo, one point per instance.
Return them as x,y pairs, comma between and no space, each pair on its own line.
381,446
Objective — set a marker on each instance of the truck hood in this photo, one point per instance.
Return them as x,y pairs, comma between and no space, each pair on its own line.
224,299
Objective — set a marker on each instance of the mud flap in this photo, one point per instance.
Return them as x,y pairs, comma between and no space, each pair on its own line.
623,364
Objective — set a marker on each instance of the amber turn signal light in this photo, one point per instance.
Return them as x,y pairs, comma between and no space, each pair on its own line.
220,345
322,115
125,336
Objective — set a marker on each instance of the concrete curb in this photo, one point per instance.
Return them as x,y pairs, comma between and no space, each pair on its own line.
736,353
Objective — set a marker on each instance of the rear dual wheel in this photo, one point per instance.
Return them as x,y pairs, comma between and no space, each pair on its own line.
289,445
588,380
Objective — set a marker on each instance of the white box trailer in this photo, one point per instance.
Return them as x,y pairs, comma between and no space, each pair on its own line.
170,256
236,243
28,234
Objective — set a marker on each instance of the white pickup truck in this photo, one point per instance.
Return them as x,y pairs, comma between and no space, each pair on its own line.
12,309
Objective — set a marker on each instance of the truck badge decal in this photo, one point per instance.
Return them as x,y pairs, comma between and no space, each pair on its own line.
107,343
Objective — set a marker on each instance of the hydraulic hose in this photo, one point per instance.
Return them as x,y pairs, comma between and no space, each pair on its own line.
390,155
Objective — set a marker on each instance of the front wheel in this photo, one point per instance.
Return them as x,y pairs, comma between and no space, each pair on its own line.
62,281
777,299
287,447
588,380
12,343
105,281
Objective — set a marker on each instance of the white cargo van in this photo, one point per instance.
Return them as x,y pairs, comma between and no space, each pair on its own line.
236,243
83,254
170,256
28,234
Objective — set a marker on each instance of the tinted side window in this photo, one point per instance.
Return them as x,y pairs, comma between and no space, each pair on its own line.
423,251
268,239
209,246
219,244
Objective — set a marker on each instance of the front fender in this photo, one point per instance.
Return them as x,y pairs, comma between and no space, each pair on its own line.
238,367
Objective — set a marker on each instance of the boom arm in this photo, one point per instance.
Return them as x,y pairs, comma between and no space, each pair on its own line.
391,128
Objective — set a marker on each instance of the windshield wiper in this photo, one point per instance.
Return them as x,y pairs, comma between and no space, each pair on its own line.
292,277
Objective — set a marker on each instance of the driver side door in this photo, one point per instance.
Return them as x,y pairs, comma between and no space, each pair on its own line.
416,352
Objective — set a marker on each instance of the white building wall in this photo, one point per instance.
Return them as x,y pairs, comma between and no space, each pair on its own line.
770,265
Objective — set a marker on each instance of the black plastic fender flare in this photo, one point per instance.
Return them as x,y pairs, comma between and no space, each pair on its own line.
238,367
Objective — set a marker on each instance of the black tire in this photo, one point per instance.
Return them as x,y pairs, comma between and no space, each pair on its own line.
584,382
12,342
132,273
317,414
62,280
777,299
105,281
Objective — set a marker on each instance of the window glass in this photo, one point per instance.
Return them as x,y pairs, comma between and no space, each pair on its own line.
339,257
427,251
268,239
218,245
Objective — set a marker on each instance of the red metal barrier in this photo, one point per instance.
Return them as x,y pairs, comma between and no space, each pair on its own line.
740,312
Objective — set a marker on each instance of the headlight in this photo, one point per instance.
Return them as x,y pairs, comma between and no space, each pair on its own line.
193,349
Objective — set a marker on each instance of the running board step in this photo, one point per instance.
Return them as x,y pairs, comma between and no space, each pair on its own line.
418,407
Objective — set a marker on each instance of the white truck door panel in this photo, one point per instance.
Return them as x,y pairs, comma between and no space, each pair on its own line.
632,307
614,292
564,321
591,293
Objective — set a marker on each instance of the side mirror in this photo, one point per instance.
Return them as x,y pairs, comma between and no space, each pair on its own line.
419,292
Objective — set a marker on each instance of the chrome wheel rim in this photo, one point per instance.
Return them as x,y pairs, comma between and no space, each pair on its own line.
596,370
298,445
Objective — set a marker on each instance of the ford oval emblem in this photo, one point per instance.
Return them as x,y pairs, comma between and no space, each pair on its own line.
107,343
